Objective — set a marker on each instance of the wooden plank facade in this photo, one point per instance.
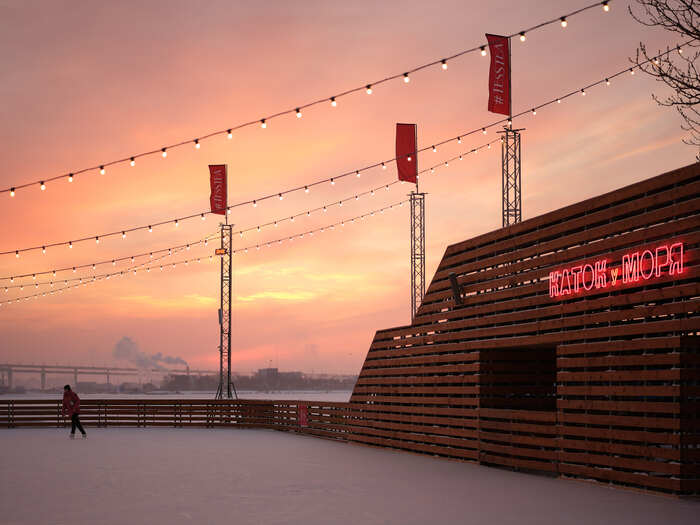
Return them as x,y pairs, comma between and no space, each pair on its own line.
594,374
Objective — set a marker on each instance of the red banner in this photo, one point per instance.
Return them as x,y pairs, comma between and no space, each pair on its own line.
499,75
406,147
303,415
217,180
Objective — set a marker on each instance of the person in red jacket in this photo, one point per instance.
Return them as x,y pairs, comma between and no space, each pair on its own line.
71,406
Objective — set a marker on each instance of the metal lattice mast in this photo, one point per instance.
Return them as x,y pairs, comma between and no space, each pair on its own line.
511,179
417,250
226,388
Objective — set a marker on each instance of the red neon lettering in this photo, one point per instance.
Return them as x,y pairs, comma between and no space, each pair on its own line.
588,268
633,267
576,272
630,268
601,278
676,266
659,264
565,281
554,284
646,254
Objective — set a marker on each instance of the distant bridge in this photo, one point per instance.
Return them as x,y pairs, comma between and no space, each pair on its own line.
9,369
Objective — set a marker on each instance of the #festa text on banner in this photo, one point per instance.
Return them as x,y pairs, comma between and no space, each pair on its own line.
217,179
499,75
406,148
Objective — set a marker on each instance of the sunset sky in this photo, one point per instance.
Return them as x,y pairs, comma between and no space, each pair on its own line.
85,83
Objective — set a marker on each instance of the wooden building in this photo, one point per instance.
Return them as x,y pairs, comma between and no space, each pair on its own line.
565,344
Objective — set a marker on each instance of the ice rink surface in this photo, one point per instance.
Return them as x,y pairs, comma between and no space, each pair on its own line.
171,476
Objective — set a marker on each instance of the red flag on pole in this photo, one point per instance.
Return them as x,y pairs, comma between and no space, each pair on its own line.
406,152
217,180
499,75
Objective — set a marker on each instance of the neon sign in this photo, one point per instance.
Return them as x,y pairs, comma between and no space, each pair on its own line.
665,259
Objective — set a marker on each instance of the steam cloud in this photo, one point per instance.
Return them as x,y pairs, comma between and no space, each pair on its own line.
128,350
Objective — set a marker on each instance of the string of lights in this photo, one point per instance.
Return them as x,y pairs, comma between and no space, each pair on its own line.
321,229
148,266
358,172
78,282
371,192
186,246
298,110
257,228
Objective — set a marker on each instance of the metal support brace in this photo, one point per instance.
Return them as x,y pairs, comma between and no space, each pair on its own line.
511,180
417,251
226,388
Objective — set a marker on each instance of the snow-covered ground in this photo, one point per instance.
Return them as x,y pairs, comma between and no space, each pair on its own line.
297,395
173,476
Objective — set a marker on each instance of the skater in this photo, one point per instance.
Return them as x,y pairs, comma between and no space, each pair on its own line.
71,405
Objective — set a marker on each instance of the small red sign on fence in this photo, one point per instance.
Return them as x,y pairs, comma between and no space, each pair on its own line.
303,415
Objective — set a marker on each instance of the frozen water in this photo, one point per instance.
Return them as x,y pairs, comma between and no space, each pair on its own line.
173,476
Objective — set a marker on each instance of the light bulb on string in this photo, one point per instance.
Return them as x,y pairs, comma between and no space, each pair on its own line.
204,217
102,170
333,102
164,152
383,166
606,7
70,244
443,64
358,173
197,145
607,82
564,23
558,102
583,92
43,250
368,88
132,161
332,182
177,223
97,240
483,51
298,113
255,204
434,149
406,78
534,111
281,196
150,229
306,189
263,124
43,186
229,134
522,36
70,177
123,235
12,192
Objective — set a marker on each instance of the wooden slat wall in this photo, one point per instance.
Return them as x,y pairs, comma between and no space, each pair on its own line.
619,404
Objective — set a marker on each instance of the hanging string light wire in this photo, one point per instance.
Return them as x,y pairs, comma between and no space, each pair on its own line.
277,222
278,195
297,109
150,254
147,265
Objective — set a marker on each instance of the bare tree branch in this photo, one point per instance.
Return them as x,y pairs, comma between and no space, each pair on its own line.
676,69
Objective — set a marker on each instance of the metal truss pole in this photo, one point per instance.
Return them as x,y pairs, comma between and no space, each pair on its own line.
226,388
417,250
511,179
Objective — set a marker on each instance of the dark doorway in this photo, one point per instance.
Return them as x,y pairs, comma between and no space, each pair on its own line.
518,378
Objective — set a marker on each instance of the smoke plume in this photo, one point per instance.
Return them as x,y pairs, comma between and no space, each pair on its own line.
128,350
